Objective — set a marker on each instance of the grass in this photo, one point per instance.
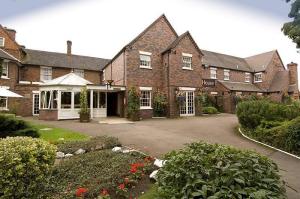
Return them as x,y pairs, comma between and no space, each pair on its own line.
151,193
53,134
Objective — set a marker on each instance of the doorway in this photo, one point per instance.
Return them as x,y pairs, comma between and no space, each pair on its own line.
187,107
112,104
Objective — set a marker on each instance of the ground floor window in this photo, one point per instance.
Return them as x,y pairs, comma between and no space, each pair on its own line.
145,99
3,103
99,100
48,99
66,100
77,100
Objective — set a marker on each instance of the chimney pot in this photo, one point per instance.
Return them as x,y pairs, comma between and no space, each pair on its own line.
69,47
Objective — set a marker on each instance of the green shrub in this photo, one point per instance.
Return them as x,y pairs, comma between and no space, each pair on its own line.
133,106
215,171
11,126
293,136
159,105
96,143
209,110
84,109
25,167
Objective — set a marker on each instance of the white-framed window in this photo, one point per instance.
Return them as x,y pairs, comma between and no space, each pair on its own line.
4,70
103,75
2,41
145,98
258,77
145,60
66,100
187,61
3,103
46,73
247,77
213,73
226,74
79,72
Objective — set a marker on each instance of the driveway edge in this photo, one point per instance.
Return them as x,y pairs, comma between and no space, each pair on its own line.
253,140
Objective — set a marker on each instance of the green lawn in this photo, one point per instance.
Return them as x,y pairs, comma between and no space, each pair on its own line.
53,133
151,193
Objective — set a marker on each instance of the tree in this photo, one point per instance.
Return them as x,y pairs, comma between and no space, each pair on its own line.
292,28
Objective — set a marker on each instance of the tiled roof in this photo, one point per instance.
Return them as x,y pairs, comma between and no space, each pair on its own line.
260,62
280,82
225,61
240,86
6,55
44,58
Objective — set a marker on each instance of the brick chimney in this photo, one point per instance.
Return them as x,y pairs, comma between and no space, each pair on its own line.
11,32
69,47
293,73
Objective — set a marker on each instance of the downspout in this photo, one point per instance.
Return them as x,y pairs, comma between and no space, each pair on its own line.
168,83
124,67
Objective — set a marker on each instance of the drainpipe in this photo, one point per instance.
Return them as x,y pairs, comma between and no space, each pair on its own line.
168,82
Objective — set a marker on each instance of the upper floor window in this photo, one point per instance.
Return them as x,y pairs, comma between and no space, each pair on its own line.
103,75
226,74
258,77
247,77
187,61
213,73
145,98
79,72
46,73
145,60
2,41
4,70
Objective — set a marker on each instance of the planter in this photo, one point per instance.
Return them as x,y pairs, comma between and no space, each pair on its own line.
84,117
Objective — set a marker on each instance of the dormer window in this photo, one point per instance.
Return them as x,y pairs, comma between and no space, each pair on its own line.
2,41
213,73
145,60
257,77
187,61
226,74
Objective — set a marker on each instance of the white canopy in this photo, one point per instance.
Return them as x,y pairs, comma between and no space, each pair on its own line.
7,93
70,79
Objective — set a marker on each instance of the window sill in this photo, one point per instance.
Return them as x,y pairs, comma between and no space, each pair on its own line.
258,81
143,67
145,108
185,68
213,78
226,79
4,109
4,77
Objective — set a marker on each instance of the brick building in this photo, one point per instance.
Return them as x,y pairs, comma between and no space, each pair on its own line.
158,59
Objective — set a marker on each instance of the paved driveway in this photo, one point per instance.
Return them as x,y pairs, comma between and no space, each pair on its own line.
158,136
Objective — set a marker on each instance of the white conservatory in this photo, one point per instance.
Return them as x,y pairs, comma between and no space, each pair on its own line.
60,98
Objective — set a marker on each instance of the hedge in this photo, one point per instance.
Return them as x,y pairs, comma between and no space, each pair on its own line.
209,110
216,171
11,126
25,167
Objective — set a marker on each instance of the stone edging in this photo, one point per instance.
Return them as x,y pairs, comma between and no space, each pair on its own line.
297,157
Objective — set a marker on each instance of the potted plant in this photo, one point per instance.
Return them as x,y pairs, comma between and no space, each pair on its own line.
133,107
84,112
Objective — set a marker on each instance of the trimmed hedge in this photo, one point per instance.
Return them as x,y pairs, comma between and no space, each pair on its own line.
11,126
209,110
215,171
25,167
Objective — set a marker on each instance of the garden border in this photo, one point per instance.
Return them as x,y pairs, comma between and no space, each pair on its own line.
297,157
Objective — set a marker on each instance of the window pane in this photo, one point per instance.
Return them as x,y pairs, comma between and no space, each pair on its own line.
3,102
145,60
95,99
66,100
77,100
102,100
145,99
5,69
55,99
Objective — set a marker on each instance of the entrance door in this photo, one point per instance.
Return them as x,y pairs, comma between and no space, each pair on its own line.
112,104
187,107
36,104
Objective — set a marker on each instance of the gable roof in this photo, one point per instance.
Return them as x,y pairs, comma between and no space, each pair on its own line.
141,34
280,82
240,86
6,55
225,61
44,58
177,41
8,35
70,79
260,62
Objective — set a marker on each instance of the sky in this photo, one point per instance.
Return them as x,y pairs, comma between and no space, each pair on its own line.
101,28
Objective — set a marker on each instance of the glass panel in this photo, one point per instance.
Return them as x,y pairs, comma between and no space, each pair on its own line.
54,98
77,100
145,60
95,99
66,100
102,100
145,99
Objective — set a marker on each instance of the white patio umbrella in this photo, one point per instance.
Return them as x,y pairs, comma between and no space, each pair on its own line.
7,93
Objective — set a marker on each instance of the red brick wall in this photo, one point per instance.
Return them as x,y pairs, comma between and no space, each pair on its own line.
116,70
235,76
50,115
10,45
12,75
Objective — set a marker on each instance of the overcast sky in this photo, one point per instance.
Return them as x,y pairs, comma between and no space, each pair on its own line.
101,28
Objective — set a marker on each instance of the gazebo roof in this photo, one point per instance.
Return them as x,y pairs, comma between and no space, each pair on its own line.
70,79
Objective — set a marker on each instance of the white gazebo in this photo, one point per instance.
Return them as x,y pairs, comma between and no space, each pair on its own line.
60,97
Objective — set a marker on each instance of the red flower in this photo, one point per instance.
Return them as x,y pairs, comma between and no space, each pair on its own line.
122,186
104,192
80,192
133,170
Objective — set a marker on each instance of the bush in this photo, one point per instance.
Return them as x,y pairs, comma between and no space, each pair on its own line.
160,105
133,106
96,143
209,110
25,167
11,126
215,171
293,136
